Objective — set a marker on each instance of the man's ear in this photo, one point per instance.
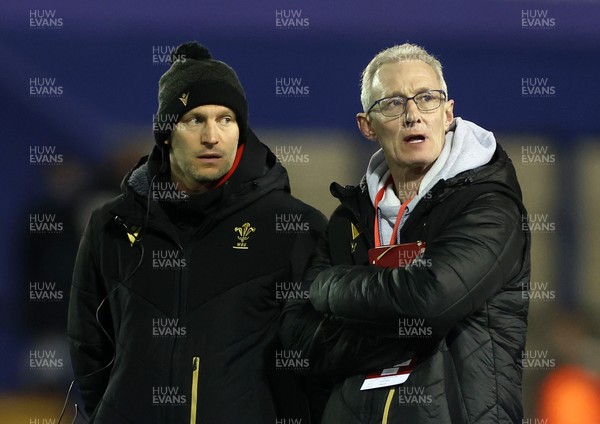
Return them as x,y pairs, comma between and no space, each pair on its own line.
448,114
365,127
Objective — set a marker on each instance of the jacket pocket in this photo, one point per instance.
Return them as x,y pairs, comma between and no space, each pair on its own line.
194,396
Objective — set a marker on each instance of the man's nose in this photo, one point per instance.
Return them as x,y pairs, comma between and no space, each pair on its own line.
412,113
209,133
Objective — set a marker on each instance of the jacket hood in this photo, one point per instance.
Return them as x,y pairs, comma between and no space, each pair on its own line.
470,155
256,162
257,173
466,146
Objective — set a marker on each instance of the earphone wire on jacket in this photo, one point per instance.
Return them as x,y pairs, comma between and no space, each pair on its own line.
138,241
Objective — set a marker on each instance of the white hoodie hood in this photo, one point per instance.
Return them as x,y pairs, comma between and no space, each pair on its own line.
466,146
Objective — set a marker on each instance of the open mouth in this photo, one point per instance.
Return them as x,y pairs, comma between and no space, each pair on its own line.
414,139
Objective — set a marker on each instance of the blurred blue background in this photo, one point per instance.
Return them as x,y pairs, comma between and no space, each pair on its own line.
102,56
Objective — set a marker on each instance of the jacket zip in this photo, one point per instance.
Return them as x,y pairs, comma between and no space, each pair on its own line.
388,404
194,396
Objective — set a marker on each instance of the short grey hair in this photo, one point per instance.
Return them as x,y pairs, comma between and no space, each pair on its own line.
397,53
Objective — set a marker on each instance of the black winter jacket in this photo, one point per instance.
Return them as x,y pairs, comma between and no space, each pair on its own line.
468,292
174,310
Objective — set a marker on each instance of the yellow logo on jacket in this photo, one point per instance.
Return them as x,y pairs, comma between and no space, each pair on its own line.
134,234
355,233
244,234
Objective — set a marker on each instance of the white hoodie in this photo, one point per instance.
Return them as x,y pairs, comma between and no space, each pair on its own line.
466,146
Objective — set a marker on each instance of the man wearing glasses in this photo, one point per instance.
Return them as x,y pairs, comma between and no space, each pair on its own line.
418,303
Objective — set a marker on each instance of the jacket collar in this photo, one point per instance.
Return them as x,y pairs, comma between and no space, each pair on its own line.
257,174
499,171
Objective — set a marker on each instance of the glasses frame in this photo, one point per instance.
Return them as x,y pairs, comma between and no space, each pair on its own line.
376,103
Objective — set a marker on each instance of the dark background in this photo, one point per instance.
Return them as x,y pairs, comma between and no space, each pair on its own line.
102,57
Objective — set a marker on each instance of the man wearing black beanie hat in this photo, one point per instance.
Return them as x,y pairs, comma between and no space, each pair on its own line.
177,287
195,79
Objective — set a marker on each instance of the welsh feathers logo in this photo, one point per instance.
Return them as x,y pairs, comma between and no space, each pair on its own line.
244,234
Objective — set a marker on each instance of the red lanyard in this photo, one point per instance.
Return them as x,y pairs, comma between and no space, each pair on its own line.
378,198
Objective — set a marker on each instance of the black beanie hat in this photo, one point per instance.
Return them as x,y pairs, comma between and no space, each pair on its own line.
196,79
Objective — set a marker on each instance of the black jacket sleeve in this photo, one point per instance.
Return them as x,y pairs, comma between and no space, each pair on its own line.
91,349
466,264
334,346
304,245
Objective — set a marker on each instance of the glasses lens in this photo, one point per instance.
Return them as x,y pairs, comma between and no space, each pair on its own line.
429,101
392,106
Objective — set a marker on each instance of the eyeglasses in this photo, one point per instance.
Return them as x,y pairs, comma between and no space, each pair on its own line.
396,105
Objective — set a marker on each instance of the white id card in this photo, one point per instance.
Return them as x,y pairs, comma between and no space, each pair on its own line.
393,376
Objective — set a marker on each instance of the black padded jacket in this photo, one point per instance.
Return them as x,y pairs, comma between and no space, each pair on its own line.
174,306
468,294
